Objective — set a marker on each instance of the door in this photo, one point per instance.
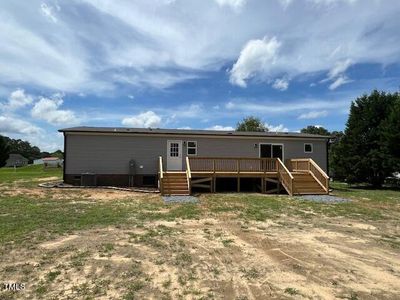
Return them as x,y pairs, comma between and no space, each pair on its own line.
174,155
271,151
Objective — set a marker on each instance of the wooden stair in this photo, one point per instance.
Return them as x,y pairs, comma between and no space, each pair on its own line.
305,184
175,183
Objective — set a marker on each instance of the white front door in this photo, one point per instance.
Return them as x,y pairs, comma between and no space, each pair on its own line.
174,155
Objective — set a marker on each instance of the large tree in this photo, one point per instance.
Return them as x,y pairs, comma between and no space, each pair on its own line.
391,135
335,171
4,151
24,148
362,154
315,130
58,153
251,123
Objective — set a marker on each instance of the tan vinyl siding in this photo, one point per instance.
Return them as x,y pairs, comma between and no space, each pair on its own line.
109,154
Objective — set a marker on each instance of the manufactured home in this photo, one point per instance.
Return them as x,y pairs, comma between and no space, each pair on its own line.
179,161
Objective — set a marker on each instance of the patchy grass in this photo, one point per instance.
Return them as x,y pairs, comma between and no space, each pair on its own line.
23,215
291,291
234,246
52,275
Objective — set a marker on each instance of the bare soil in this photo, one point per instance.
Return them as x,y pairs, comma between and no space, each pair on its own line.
217,257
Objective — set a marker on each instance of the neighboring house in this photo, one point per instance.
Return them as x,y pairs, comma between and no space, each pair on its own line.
52,162
38,161
16,160
134,156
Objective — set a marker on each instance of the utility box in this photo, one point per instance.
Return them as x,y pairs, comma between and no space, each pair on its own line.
88,179
132,167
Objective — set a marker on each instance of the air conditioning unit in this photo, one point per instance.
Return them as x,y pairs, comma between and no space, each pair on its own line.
88,179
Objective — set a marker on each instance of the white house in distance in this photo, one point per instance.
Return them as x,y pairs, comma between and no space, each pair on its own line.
49,162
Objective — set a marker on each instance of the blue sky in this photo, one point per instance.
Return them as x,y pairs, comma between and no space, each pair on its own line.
190,64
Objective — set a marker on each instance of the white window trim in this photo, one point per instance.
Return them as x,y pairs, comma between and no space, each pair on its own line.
279,144
312,148
187,148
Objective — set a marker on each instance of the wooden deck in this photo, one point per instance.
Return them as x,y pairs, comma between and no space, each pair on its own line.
297,177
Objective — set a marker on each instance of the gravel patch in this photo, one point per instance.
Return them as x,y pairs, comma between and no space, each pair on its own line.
323,198
180,199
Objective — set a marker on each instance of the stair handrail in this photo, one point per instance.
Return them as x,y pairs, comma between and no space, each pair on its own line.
282,171
318,174
161,174
188,175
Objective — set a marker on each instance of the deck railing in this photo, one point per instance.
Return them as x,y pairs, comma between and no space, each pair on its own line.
188,175
232,164
310,166
160,174
285,177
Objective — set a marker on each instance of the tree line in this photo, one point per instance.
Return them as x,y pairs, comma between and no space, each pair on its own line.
368,150
17,146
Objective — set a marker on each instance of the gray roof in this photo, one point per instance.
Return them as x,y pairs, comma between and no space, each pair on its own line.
16,156
199,132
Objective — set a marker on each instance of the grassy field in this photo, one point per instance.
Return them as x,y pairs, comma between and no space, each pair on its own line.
28,175
84,243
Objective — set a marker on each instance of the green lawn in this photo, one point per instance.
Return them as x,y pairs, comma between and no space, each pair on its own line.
28,173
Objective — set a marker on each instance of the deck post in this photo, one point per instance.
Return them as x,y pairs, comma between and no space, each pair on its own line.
238,184
262,184
214,184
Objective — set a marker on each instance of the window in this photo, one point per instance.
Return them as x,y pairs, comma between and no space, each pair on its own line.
174,150
308,148
192,148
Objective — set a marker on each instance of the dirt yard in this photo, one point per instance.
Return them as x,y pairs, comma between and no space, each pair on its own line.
112,245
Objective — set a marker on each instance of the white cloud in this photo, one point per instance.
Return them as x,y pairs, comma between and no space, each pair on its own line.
148,119
185,127
220,127
155,79
339,81
256,58
249,106
230,105
277,128
285,3
17,100
48,109
313,115
336,74
13,125
339,68
234,4
281,84
330,2
191,111
133,43
49,11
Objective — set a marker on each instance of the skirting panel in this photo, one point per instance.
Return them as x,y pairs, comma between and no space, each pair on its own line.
115,180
